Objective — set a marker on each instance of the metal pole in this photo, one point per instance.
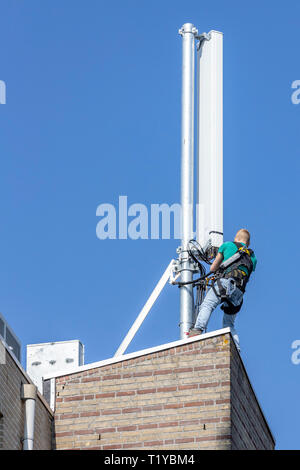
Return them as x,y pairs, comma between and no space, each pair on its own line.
188,32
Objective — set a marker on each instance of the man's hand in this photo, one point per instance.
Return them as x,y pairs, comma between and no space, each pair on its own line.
217,263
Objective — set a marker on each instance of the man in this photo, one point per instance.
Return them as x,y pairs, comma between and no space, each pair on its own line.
230,287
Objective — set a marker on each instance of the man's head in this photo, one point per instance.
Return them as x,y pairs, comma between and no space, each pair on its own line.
243,236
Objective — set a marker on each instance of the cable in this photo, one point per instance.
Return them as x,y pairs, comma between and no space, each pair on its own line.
198,255
196,252
199,250
195,281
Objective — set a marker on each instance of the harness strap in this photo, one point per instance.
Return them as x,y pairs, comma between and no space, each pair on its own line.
227,306
222,294
239,276
234,269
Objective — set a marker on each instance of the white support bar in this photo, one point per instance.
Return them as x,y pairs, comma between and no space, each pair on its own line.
145,310
210,140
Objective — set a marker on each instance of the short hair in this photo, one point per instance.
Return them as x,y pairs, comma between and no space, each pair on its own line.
244,234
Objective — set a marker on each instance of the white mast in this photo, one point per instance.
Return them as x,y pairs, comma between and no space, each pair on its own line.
188,32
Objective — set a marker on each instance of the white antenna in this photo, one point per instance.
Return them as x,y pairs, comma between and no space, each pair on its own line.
210,139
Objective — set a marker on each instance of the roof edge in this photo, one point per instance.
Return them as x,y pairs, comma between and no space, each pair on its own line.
143,352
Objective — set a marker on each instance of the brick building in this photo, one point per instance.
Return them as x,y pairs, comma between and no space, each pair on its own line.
12,406
190,394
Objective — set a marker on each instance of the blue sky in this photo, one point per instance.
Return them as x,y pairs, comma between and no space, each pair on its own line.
93,111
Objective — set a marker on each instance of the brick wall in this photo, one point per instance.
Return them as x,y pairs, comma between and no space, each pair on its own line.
12,409
184,397
249,427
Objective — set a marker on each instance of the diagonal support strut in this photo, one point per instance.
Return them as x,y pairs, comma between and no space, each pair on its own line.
145,310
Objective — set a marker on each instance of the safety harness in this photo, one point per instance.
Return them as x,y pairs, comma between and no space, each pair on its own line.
232,268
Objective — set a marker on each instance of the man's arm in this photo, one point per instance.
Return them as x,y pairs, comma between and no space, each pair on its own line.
216,264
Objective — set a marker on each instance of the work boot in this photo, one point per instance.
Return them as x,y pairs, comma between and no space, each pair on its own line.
195,332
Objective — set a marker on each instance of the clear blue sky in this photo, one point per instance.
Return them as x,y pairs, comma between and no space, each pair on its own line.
93,112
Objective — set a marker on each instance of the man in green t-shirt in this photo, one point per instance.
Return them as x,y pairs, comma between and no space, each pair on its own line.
232,282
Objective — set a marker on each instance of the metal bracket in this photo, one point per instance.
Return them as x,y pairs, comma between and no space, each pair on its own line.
193,30
201,38
184,256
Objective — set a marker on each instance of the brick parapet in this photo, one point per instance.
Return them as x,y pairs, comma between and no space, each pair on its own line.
182,397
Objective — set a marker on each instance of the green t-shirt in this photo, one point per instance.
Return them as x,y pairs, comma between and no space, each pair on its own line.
228,249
